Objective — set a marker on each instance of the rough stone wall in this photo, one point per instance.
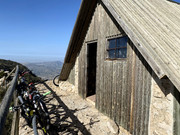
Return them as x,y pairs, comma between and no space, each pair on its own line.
76,75
161,108
73,77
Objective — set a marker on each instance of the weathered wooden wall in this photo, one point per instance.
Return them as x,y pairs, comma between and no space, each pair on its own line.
141,96
122,86
82,69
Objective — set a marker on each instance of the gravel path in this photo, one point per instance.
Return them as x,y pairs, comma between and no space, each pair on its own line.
71,115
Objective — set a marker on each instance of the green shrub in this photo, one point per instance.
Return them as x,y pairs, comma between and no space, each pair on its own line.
2,93
2,74
8,123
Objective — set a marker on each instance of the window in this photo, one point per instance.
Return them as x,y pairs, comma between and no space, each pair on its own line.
117,48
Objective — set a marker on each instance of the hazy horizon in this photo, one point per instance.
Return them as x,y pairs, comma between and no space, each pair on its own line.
31,59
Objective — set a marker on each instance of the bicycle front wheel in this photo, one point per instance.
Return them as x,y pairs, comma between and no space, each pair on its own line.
56,80
38,130
43,114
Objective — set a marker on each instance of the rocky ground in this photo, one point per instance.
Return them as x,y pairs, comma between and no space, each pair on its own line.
71,115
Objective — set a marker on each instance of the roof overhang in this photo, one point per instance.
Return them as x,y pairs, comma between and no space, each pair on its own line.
79,32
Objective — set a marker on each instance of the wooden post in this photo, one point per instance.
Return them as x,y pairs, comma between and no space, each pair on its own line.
4,82
4,108
15,122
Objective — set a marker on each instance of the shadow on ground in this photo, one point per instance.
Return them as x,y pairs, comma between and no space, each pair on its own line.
62,118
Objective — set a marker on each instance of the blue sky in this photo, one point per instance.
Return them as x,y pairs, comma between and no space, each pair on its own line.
36,30
176,1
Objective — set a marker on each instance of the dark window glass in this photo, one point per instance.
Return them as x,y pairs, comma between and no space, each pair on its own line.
111,54
122,42
123,53
112,44
118,47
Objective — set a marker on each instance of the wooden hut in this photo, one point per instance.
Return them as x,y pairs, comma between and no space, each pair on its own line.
127,54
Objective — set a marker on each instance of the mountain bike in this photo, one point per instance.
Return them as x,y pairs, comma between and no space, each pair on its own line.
56,80
41,119
36,115
32,107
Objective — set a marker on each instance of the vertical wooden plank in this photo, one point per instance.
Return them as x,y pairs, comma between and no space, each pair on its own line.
119,92
135,111
106,91
106,64
101,79
132,88
148,99
143,103
140,91
125,92
121,96
114,93
85,70
98,92
91,31
113,29
95,34
129,83
82,72
128,89
101,61
109,94
81,89
105,67
141,97
88,34
106,95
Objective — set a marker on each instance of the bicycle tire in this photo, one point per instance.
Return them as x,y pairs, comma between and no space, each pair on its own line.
55,80
44,115
41,120
35,128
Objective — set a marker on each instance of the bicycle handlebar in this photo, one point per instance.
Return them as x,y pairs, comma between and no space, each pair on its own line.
15,108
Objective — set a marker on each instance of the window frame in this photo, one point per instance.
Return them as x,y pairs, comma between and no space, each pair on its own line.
107,47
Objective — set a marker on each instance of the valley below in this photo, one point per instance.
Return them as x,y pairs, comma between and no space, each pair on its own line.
45,70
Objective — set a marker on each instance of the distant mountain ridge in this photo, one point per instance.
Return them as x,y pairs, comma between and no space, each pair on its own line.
45,70
8,65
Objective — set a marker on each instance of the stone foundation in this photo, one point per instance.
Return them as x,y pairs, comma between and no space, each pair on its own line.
161,108
76,75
